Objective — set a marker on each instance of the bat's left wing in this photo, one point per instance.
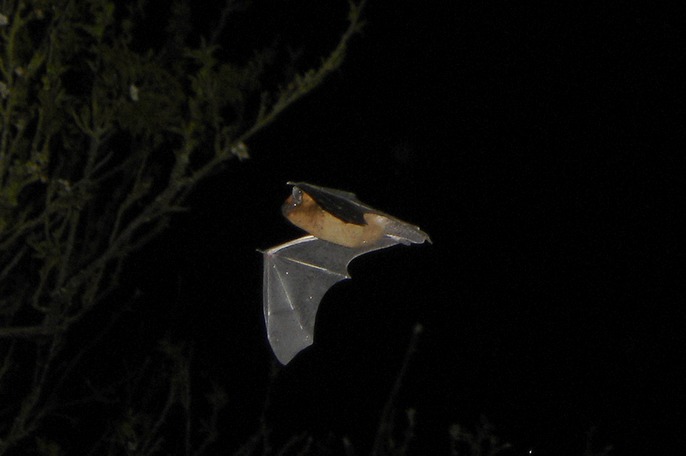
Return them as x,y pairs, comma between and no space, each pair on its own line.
297,274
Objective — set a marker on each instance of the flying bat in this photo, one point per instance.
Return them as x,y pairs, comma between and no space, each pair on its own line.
298,273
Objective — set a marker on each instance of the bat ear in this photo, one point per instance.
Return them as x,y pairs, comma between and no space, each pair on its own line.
297,196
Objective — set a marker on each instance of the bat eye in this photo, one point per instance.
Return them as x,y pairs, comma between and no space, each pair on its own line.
297,196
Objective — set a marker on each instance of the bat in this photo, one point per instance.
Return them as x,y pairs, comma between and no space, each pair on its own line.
298,273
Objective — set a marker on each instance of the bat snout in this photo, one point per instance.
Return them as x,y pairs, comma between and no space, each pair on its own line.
288,206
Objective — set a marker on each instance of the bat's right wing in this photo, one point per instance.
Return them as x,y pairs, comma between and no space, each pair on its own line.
297,274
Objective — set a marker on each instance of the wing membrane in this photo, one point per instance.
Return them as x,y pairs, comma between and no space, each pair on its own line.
296,277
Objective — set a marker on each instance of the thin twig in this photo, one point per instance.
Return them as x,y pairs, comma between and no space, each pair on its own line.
386,419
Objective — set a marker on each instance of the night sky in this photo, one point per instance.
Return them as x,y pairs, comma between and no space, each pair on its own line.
538,146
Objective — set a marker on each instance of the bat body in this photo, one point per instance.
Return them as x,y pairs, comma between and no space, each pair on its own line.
298,273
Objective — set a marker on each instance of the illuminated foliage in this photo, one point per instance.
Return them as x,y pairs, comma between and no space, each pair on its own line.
102,138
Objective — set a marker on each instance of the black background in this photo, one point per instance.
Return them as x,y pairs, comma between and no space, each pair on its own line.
540,146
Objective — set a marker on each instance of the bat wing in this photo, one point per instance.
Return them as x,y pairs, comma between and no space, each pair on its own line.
297,274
